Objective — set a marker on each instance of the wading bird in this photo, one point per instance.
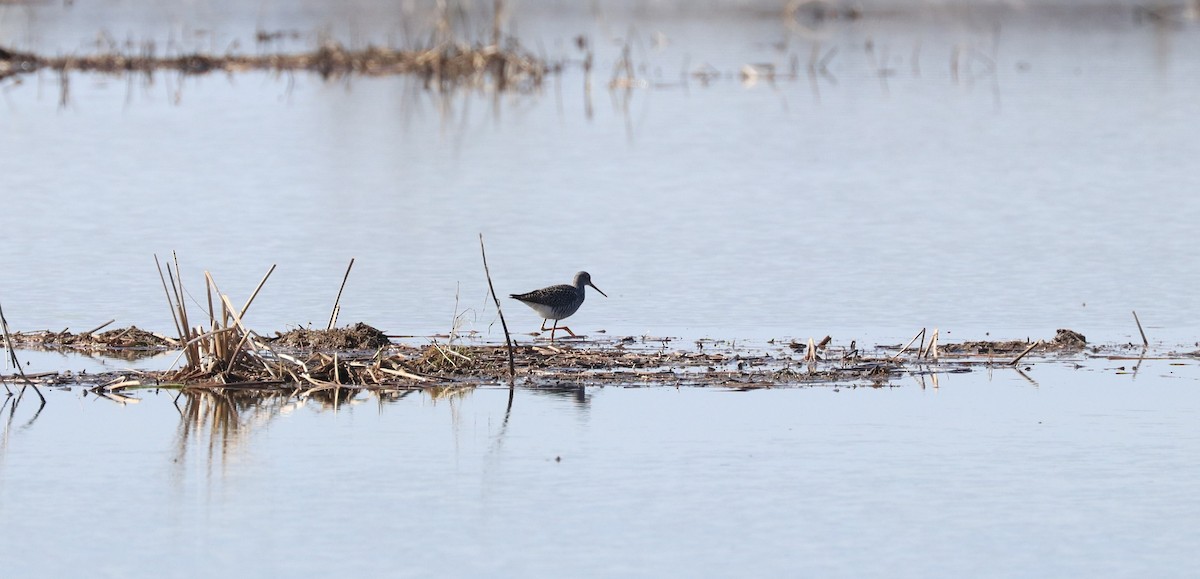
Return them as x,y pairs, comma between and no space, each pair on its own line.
558,302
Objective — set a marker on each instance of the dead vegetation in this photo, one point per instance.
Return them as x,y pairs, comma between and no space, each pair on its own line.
124,343
444,66
301,368
218,352
1063,341
450,57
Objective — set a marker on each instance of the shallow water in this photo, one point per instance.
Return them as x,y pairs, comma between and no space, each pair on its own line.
1054,193
1062,472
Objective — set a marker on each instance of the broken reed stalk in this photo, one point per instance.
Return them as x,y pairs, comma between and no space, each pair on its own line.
336,302
930,351
238,315
12,356
254,294
512,367
213,352
1145,342
98,328
1027,350
170,304
12,353
192,354
920,334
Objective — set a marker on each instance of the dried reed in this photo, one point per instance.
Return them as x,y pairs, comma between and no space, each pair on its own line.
1027,350
12,357
1145,342
512,368
337,302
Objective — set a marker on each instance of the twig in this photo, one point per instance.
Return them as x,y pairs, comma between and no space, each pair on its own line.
920,334
443,353
170,304
336,307
1027,350
12,355
98,328
512,366
253,295
403,374
115,385
1145,342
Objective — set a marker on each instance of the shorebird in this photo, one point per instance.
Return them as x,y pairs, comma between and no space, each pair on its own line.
558,302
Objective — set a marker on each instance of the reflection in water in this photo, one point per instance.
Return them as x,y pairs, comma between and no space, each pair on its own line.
575,392
218,422
10,405
215,425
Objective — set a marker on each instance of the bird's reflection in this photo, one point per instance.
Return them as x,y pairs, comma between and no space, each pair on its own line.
569,391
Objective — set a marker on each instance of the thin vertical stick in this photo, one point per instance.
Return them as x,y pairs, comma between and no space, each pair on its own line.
193,355
512,368
12,354
333,316
170,304
1145,342
931,349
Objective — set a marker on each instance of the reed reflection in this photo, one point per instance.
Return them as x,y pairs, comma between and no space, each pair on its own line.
9,407
215,424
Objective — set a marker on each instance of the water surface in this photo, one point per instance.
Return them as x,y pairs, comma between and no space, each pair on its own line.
1043,181
1052,192
1079,471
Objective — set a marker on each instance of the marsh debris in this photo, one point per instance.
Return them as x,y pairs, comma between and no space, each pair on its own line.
124,343
1063,341
1069,339
502,66
359,336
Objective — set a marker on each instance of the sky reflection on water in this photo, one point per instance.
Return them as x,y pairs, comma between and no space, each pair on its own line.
1080,470
864,211
1053,190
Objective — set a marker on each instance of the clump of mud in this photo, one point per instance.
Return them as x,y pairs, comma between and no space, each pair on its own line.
1063,340
360,336
1069,339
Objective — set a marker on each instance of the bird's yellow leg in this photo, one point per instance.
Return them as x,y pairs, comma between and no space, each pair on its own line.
555,328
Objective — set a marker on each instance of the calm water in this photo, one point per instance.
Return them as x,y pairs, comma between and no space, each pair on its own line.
1077,472
1056,193
1055,190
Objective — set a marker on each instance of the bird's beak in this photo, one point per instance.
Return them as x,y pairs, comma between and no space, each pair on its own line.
597,289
